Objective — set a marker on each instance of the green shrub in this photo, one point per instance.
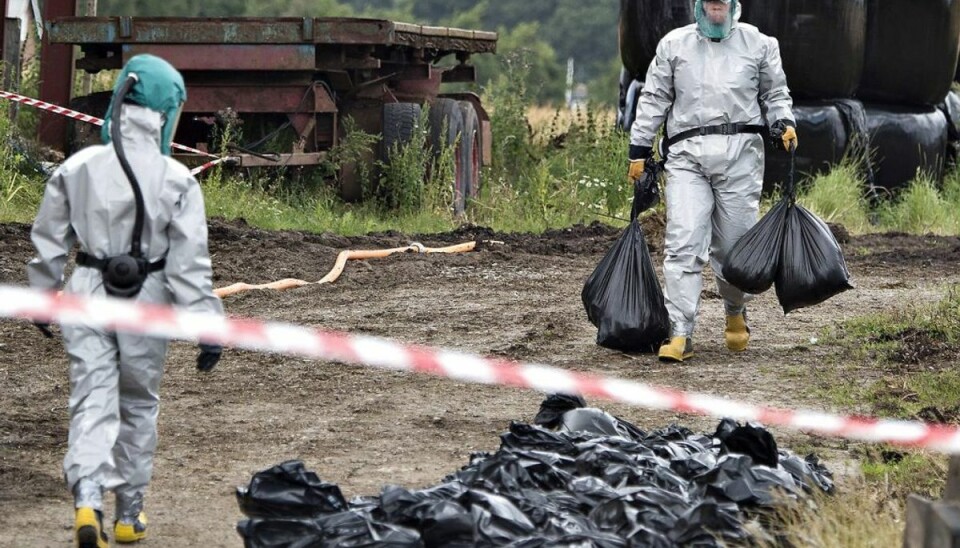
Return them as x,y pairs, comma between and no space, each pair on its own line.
21,182
922,209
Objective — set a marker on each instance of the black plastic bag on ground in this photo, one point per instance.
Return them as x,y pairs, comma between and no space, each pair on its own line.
622,296
754,441
812,268
288,490
753,262
341,529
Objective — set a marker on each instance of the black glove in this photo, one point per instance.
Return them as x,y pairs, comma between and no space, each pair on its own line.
209,356
784,135
44,328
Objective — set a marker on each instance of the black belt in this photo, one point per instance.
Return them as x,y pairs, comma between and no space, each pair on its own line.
723,129
85,259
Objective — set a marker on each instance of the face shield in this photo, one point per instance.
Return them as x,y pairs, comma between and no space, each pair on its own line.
716,18
170,125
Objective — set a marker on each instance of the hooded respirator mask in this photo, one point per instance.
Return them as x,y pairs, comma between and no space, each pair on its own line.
716,27
153,83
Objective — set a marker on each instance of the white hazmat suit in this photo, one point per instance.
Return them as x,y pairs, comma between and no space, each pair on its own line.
115,377
713,181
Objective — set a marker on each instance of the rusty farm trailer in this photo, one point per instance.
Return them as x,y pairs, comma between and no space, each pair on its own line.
304,76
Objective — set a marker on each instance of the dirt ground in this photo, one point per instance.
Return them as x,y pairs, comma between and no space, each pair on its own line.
364,428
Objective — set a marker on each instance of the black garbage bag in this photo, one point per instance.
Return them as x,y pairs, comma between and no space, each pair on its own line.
527,436
351,529
812,268
702,524
446,523
288,490
554,406
622,296
754,441
594,539
808,472
279,533
497,521
669,488
739,480
754,260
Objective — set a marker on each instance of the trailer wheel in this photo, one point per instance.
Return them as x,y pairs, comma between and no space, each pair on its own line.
446,129
472,148
399,122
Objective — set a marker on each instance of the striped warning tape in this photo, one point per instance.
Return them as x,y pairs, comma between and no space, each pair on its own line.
199,169
42,105
158,321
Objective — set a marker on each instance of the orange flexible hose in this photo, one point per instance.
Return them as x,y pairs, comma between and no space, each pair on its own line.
341,263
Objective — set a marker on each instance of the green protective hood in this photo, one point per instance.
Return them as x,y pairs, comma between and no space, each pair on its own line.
159,87
711,30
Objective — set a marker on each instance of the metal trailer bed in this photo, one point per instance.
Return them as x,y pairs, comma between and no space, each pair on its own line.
308,73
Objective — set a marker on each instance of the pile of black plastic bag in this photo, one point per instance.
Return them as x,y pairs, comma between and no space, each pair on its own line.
553,486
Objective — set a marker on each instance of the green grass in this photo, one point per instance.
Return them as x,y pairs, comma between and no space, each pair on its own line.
922,208
838,197
897,364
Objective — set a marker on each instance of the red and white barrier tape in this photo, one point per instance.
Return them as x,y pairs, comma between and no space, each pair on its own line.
42,105
158,321
199,169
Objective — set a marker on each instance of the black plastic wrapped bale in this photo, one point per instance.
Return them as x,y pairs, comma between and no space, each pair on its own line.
642,24
823,140
911,53
630,97
754,261
906,140
951,109
822,42
812,268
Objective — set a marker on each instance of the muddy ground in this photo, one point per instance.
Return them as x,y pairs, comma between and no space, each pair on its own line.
366,428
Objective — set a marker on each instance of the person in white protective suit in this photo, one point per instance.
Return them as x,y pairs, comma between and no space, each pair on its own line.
138,217
715,83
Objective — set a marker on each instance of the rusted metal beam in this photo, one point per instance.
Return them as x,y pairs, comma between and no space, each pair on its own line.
248,98
56,77
283,30
263,57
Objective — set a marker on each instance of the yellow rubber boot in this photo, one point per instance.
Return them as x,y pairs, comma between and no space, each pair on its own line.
125,533
737,333
88,529
676,349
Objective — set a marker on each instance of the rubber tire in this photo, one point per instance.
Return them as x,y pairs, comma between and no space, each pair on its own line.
399,122
472,149
445,114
